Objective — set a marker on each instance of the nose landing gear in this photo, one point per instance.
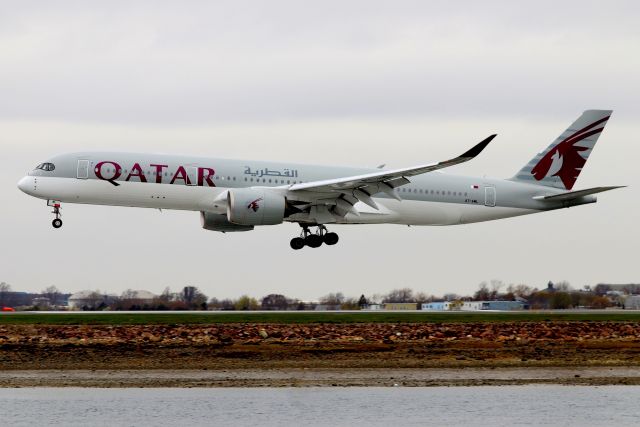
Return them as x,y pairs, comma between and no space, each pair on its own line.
314,240
57,222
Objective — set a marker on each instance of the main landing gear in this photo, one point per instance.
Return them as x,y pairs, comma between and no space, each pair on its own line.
57,222
314,240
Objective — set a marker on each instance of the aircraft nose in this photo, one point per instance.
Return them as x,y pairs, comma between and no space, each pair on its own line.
26,184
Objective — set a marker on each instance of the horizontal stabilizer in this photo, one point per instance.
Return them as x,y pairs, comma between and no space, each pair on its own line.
571,195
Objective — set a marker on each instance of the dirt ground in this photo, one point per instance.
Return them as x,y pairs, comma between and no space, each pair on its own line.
336,354
318,377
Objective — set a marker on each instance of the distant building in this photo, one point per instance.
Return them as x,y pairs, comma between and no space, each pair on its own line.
632,302
437,306
627,289
472,305
372,307
475,305
504,305
90,300
401,306
41,302
143,297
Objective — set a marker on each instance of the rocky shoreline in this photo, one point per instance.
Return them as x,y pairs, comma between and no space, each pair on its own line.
375,347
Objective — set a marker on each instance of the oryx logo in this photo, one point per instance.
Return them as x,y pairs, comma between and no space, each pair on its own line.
564,160
255,205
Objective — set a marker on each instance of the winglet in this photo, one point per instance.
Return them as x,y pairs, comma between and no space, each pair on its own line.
477,149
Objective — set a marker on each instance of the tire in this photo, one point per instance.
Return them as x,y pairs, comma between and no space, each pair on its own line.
57,223
331,239
313,241
297,243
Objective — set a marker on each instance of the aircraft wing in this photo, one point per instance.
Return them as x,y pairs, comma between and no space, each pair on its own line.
341,194
387,180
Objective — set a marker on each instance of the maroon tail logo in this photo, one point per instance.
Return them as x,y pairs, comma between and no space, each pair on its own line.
564,160
254,205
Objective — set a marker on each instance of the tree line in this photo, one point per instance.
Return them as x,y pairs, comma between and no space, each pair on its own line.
556,296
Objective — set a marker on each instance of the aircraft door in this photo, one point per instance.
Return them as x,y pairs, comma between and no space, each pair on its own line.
490,196
83,169
192,174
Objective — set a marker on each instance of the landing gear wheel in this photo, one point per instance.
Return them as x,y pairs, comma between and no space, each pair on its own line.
57,222
297,243
313,241
330,239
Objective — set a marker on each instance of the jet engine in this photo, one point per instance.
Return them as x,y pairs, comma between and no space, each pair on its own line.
253,206
218,222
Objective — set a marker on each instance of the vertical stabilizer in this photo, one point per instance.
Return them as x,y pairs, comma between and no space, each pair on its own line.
560,164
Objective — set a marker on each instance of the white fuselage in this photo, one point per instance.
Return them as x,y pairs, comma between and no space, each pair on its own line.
197,184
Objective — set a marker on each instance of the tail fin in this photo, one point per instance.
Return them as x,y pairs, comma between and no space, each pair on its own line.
561,163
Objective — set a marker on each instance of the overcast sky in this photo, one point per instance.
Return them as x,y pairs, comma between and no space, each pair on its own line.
347,82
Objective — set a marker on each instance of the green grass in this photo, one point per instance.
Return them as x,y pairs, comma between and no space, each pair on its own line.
304,317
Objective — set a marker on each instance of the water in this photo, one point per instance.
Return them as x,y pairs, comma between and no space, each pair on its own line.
537,405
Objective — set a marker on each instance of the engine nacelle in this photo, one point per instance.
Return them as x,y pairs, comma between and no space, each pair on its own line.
252,206
219,222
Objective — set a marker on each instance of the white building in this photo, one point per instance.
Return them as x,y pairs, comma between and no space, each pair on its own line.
632,302
472,306
89,299
437,306
141,296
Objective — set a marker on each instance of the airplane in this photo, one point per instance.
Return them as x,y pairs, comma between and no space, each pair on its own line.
237,195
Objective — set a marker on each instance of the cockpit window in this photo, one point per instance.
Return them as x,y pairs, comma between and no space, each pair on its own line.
46,167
